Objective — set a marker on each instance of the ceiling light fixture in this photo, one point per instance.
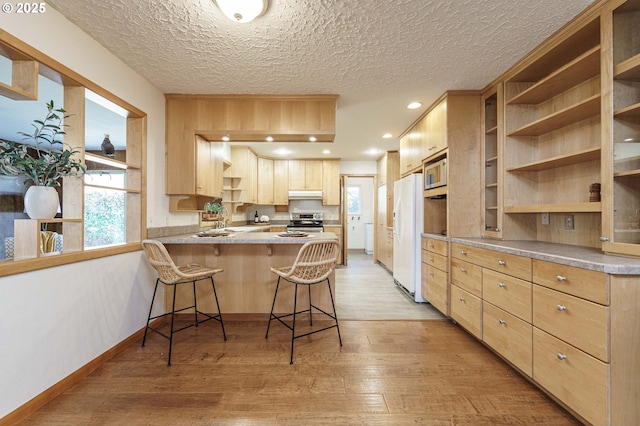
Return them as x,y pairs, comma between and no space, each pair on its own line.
414,105
387,136
326,151
269,138
312,139
226,138
242,11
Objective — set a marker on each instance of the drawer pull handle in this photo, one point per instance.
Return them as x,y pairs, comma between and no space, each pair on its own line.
561,278
562,357
502,285
462,299
502,321
463,252
502,262
431,245
562,308
463,270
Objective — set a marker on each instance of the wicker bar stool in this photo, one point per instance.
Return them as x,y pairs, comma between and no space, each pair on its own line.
313,265
172,275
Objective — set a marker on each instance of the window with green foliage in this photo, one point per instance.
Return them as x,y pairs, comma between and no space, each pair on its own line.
353,199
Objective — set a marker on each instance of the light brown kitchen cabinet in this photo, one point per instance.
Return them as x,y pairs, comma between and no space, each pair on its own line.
265,181
244,172
281,182
305,175
336,229
435,273
492,154
331,182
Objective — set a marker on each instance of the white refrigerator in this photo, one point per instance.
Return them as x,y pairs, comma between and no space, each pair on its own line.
407,227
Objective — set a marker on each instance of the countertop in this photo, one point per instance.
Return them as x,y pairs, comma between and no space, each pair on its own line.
565,254
247,238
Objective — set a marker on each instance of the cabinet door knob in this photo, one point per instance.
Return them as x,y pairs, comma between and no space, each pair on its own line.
502,262
462,299
561,307
561,278
502,285
562,357
463,252
502,321
604,239
463,270
431,245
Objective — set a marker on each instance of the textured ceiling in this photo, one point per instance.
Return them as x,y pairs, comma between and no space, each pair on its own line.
377,55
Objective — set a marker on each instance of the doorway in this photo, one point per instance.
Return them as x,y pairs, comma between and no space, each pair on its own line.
358,213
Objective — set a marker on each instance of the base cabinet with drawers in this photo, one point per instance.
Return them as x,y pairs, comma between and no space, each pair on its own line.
435,275
574,331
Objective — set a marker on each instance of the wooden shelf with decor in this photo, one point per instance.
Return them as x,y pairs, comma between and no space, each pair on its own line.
491,151
28,241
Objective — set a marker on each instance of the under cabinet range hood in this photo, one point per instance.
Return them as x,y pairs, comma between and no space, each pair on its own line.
305,195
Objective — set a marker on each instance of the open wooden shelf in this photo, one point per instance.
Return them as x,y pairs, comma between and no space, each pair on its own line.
436,192
628,69
491,159
587,108
491,185
631,112
635,172
493,130
582,68
559,161
595,207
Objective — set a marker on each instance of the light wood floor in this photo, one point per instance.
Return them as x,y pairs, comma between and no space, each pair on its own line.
397,372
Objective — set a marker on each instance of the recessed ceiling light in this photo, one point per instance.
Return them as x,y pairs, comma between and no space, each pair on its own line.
373,151
226,138
414,105
282,151
326,151
269,138
312,139
387,136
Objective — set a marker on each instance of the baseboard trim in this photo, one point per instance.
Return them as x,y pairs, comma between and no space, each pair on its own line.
39,401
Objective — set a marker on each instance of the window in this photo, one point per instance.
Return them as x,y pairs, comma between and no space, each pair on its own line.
353,199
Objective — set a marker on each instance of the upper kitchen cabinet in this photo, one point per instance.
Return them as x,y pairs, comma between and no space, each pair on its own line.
331,182
553,134
305,175
281,182
243,175
621,101
388,169
452,208
242,118
265,194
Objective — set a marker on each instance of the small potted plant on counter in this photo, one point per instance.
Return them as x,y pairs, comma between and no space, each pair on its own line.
212,211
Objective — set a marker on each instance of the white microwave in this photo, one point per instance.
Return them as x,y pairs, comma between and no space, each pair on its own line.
435,174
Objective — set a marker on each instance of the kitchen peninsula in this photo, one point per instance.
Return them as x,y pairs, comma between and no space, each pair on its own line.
247,284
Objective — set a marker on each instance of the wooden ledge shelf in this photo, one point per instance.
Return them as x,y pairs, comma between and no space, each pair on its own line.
582,68
588,108
590,154
595,207
628,70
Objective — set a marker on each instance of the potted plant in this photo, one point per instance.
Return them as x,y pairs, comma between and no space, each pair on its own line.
42,160
212,211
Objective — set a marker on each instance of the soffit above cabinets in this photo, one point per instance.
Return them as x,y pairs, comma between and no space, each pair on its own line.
251,118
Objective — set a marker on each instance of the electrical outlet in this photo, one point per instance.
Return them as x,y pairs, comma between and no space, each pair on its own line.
568,222
545,218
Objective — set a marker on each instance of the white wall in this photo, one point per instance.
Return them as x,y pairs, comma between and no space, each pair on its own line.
55,320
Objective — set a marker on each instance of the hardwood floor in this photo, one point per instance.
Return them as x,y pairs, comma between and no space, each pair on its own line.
396,372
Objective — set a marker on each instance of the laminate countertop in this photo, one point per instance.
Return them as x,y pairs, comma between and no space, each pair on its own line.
247,238
565,254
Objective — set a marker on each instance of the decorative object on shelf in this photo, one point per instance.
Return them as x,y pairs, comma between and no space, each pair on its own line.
242,11
594,192
41,161
107,147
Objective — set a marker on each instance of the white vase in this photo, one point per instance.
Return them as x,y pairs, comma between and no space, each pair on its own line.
41,202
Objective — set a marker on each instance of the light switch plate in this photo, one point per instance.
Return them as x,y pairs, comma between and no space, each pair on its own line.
568,222
545,218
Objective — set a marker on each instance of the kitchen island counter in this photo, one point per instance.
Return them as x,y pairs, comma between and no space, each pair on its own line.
247,285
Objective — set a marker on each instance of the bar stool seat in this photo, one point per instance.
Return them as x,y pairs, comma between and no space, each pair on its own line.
314,264
170,274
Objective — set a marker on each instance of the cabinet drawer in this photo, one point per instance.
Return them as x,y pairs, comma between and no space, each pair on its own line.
509,336
508,293
580,381
509,264
590,285
467,276
434,287
466,309
435,260
436,246
577,321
